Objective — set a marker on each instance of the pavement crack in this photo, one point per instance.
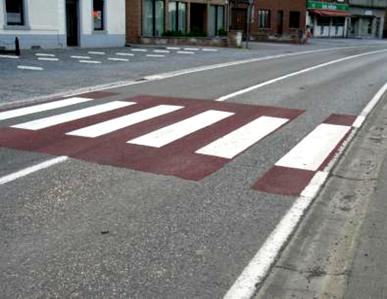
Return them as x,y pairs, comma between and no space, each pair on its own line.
354,179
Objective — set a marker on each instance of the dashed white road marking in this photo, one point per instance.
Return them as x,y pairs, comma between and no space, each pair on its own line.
42,107
180,129
96,52
31,68
139,50
80,57
44,55
26,171
124,54
118,59
173,48
115,124
209,50
191,49
54,120
155,55
90,61
48,59
9,56
185,52
161,51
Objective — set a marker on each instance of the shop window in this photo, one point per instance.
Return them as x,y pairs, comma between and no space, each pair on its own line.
177,16
153,18
264,16
294,19
98,14
15,12
216,20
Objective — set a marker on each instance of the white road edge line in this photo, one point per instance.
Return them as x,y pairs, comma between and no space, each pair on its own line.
275,80
259,266
26,171
31,68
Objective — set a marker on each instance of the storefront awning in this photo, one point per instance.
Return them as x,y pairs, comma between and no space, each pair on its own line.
330,13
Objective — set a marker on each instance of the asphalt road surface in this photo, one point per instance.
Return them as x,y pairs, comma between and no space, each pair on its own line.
168,187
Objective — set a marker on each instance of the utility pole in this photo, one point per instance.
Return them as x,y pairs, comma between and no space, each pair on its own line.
248,22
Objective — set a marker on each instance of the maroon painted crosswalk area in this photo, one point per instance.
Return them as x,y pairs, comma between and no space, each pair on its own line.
294,171
186,138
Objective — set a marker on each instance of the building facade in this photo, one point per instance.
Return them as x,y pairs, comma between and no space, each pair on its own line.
62,23
157,18
367,18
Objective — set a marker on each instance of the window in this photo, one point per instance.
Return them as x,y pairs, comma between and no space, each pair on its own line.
153,18
294,19
15,12
216,20
264,18
98,15
177,16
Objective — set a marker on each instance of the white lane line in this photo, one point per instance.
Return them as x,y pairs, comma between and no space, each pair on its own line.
31,68
185,52
42,107
191,49
123,121
80,57
9,56
161,51
173,48
272,81
209,50
96,52
118,59
180,129
48,59
242,138
26,171
312,151
90,61
70,116
44,55
139,50
155,55
124,54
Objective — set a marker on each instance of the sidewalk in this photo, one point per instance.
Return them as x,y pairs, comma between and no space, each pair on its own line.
339,251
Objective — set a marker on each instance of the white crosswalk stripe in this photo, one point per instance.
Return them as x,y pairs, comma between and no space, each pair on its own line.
70,116
42,107
180,129
124,121
242,138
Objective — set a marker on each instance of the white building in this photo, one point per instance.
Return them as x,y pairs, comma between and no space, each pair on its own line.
62,23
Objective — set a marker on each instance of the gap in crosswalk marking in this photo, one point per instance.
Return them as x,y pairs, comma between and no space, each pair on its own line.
242,138
96,52
124,54
139,50
185,52
42,107
90,61
44,55
118,59
54,120
48,59
30,68
312,151
155,55
124,121
180,129
80,57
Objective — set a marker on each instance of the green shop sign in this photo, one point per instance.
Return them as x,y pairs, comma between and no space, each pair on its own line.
327,5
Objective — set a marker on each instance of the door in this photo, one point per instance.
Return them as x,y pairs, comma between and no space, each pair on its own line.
239,19
72,23
280,22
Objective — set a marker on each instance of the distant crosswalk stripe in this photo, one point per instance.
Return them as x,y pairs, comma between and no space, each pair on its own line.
237,141
124,121
312,151
41,107
70,116
180,129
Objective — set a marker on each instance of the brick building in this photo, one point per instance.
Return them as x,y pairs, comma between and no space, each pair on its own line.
155,18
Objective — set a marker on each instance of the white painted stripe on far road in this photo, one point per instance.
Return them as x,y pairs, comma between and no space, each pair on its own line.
90,61
242,138
30,68
124,54
50,121
209,50
26,171
9,56
139,50
42,107
173,48
118,59
80,57
124,121
272,81
96,53
48,59
312,151
180,129
155,55
44,55
161,51
185,52
191,49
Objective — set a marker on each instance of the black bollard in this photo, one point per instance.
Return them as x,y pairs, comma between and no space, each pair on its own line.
17,47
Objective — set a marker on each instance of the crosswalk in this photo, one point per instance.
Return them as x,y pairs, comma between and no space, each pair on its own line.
181,137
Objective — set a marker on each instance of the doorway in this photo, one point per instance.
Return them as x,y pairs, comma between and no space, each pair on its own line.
72,23
280,22
239,19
